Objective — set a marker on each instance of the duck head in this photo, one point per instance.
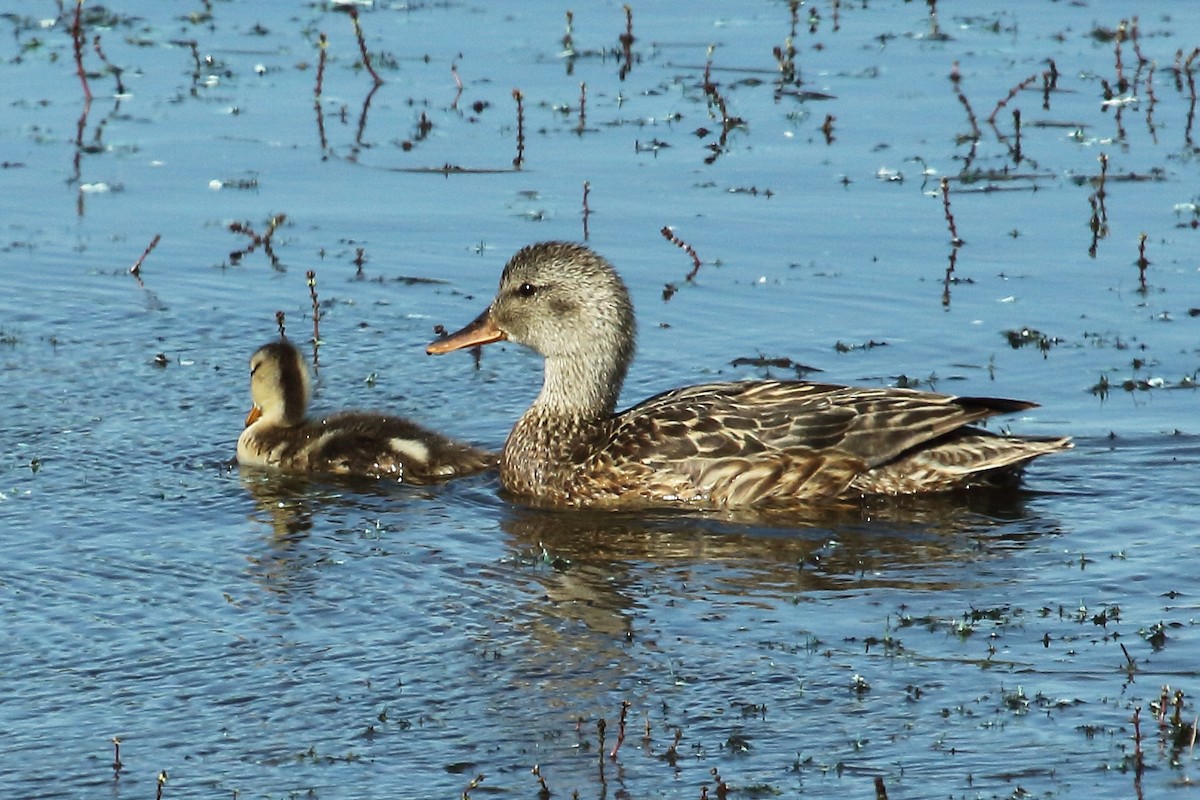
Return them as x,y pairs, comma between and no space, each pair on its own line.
567,303
279,385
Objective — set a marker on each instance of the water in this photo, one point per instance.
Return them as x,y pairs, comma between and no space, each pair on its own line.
260,636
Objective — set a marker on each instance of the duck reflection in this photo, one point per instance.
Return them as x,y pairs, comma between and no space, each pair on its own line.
294,507
594,567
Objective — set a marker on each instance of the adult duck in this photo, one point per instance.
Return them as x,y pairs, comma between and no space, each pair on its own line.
279,434
716,445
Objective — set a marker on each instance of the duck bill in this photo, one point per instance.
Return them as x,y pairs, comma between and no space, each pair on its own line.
253,416
481,331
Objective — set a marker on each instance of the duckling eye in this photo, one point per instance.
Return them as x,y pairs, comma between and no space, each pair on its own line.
527,290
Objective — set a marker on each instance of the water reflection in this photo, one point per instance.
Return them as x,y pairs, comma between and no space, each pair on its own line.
341,511
593,567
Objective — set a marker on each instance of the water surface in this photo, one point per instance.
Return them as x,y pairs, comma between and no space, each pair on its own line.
259,636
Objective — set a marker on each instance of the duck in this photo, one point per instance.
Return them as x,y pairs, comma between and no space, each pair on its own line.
730,445
279,435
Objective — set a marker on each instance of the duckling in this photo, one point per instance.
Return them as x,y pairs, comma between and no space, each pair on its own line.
715,445
279,435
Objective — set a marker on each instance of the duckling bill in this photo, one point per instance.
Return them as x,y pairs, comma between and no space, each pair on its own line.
717,445
280,435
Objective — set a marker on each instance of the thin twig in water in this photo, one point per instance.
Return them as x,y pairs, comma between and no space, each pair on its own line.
670,236
627,40
582,108
362,44
316,318
77,40
544,792
586,211
279,324
976,134
478,779
1142,262
322,54
115,70
954,238
520,98
136,269
620,730
1013,92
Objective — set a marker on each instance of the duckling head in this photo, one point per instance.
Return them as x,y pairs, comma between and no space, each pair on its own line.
279,385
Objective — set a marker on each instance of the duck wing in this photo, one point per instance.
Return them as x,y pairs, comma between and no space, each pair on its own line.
754,441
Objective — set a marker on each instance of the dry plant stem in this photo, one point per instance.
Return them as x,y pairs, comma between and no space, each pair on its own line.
77,39
601,725
1133,37
722,787
582,107
827,128
116,765
786,55
620,730
1138,757
545,790
322,55
362,117
568,40
670,236
1191,82
976,134
162,781
954,238
458,86
1013,92
880,789
316,317
478,779
1142,262
279,324
1017,135
672,754
136,269
1122,85
115,70
362,45
520,98
627,40
1152,101
587,187
949,279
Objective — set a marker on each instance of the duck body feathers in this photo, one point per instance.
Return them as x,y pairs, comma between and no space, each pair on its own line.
362,444
279,435
765,443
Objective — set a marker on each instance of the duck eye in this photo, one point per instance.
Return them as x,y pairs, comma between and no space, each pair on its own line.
527,290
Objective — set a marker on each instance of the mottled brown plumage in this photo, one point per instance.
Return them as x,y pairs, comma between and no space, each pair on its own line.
279,435
721,445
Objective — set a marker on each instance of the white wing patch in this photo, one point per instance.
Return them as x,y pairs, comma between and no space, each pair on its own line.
413,450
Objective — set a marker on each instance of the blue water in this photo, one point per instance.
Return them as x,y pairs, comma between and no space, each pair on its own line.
259,636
